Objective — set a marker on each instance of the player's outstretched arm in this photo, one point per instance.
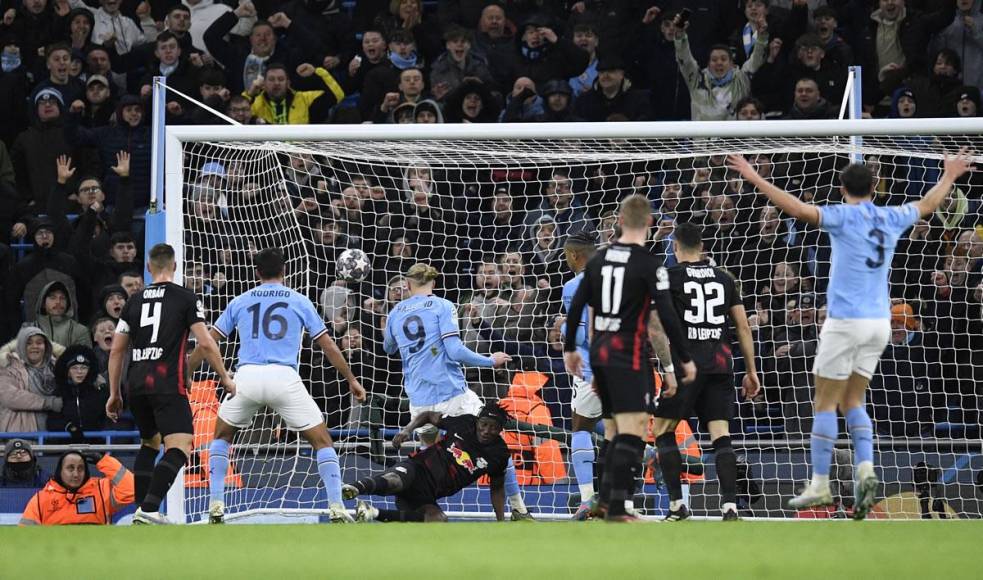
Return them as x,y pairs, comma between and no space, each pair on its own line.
465,356
114,405
953,167
751,384
782,199
337,360
212,355
496,488
198,355
431,417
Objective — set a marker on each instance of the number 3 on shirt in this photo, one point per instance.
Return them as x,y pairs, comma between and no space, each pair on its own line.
880,237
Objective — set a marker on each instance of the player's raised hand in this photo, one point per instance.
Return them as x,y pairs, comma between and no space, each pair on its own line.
957,165
574,364
113,406
750,386
689,372
669,385
401,438
357,390
499,359
229,385
741,165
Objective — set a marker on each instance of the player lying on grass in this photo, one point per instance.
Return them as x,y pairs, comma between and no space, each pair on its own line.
270,320
424,330
863,237
471,447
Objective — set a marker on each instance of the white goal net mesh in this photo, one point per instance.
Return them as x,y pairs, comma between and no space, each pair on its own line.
492,216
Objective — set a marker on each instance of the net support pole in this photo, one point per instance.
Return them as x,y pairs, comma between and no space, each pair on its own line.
856,110
154,224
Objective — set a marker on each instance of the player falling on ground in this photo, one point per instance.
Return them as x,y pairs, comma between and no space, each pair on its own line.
424,330
156,323
863,237
471,447
270,320
707,299
620,285
586,405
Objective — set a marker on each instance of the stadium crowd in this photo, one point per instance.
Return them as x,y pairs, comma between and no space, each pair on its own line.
75,168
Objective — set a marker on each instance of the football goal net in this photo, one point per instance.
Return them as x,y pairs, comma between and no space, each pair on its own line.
490,207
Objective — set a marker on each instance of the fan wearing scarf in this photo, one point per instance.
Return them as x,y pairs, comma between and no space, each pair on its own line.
715,89
73,496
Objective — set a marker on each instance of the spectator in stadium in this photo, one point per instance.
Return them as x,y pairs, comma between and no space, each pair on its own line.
83,393
113,27
716,89
73,496
178,22
892,41
560,204
36,148
967,102
772,241
32,26
171,62
14,88
757,13
723,239
777,79
243,61
794,346
523,104
373,53
241,109
204,13
543,252
936,88
500,228
513,274
419,215
410,90
277,103
56,314
903,104
496,41
27,382
472,102
103,329
112,298
808,103
20,466
43,265
749,109
902,392
557,103
653,64
523,321
457,64
407,16
58,59
427,112
325,30
612,94
964,36
91,232
131,281
99,62
585,38
99,104
387,77
542,55
826,24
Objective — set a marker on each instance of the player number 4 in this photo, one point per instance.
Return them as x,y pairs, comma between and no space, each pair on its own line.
150,316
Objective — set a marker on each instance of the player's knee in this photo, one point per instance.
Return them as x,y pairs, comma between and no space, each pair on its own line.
182,442
663,426
718,429
224,431
394,481
318,437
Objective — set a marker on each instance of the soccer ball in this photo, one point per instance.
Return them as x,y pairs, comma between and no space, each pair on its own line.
353,265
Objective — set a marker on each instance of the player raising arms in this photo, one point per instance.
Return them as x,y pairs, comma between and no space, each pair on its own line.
586,406
620,283
270,320
424,330
707,299
472,447
156,323
862,237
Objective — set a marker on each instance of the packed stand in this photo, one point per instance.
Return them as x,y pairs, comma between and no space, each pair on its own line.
75,168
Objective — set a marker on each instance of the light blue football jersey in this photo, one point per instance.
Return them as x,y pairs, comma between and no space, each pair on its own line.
583,340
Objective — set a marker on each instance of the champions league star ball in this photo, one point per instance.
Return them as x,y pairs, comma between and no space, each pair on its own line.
353,265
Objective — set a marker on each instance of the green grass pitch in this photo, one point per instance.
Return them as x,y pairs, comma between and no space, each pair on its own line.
480,551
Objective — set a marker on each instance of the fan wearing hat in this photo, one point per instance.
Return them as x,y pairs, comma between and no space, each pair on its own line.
612,95
83,393
558,103
20,466
99,104
903,104
968,102
543,55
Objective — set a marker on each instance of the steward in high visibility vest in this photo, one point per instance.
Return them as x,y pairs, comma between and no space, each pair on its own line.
537,461
72,496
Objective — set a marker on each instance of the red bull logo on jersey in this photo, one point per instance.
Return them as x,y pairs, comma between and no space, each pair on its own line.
463,458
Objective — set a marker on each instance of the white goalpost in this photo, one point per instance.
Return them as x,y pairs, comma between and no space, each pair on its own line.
490,205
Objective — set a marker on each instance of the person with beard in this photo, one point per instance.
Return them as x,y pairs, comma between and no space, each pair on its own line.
613,95
495,40
27,382
73,496
83,393
55,314
44,265
20,466
277,103
472,102
542,55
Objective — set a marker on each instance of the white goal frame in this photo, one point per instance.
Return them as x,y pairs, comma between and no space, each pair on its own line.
175,137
